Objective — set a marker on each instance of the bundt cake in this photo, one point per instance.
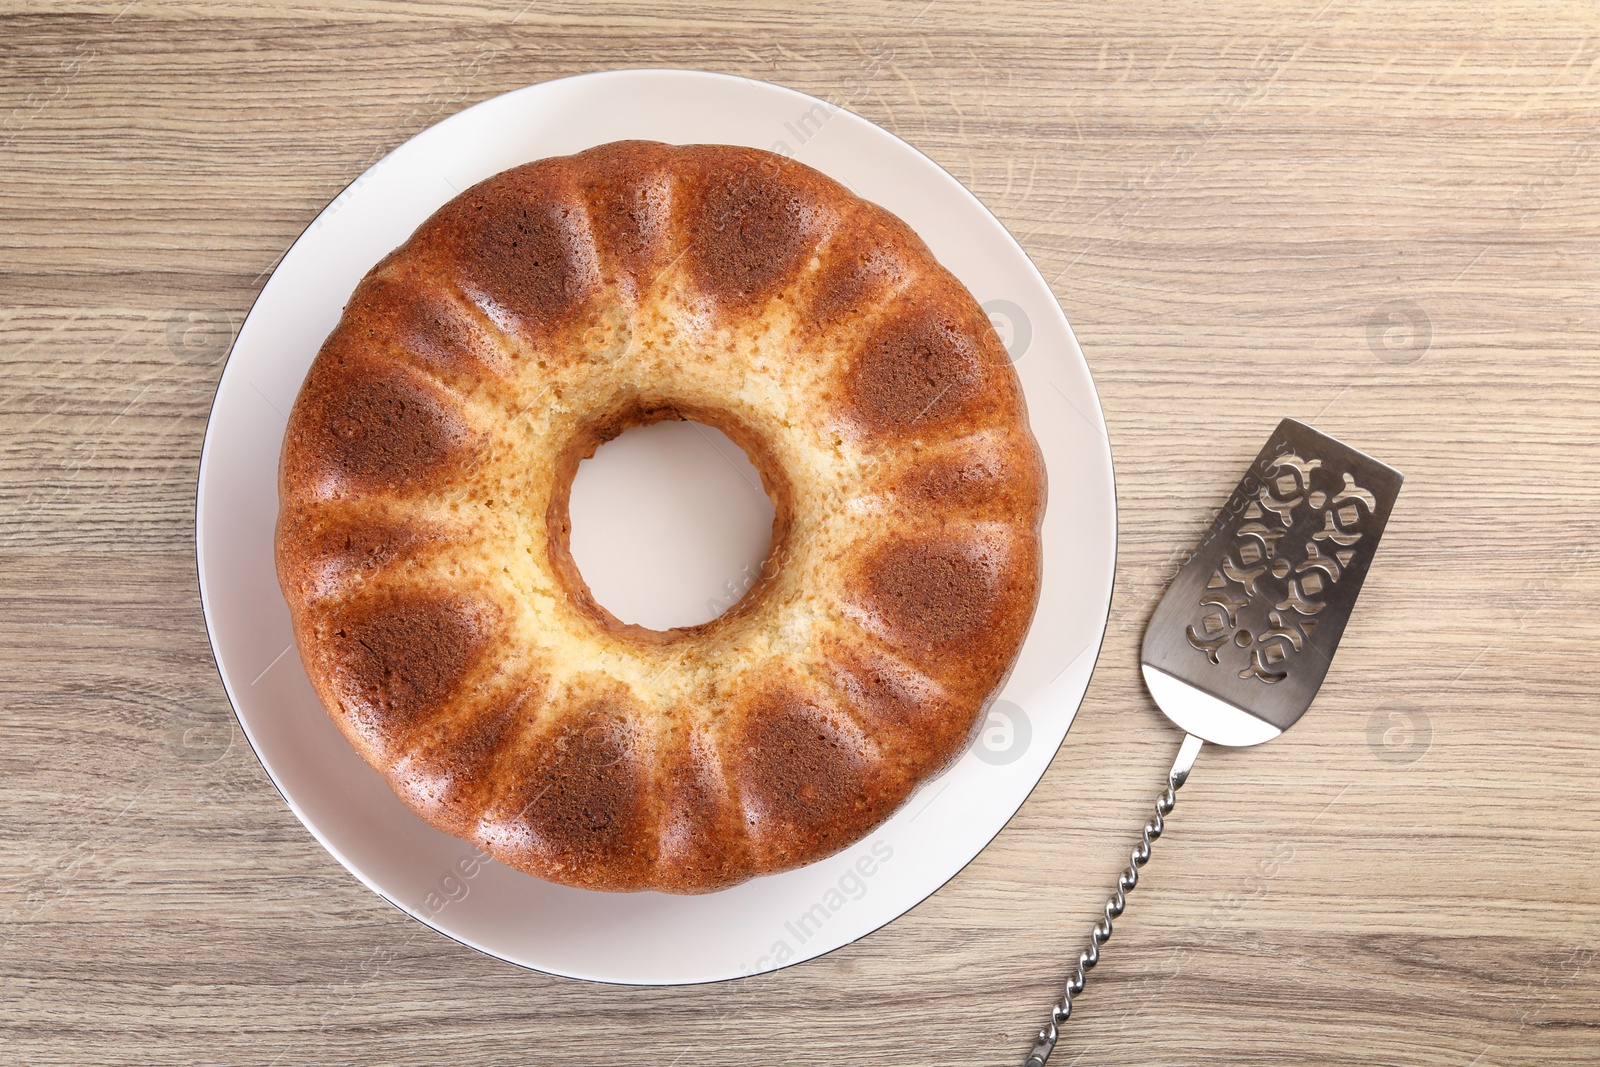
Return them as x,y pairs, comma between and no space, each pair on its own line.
423,532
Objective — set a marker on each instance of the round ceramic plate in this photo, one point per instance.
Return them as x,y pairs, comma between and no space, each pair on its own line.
645,938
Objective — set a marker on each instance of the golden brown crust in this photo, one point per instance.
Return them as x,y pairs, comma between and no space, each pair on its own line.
451,766
394,659
369,426
809,784
579,804
423,532
751,219
703,839
518,246
629,203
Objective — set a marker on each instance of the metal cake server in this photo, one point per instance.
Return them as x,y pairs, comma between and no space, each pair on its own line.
1244,636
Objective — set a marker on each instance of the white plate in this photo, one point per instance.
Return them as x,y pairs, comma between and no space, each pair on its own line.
644,938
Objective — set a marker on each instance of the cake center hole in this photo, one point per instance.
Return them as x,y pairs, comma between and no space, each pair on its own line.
670,524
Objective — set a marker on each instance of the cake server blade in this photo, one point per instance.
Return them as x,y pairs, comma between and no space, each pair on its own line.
1242,640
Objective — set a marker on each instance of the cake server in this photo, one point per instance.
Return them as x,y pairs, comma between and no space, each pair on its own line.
1244,636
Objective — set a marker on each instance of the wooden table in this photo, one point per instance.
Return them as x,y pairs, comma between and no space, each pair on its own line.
1381,218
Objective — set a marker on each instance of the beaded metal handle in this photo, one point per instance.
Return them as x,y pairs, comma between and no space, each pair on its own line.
1045,1043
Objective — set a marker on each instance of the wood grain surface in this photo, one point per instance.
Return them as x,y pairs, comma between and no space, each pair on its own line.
1381,218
